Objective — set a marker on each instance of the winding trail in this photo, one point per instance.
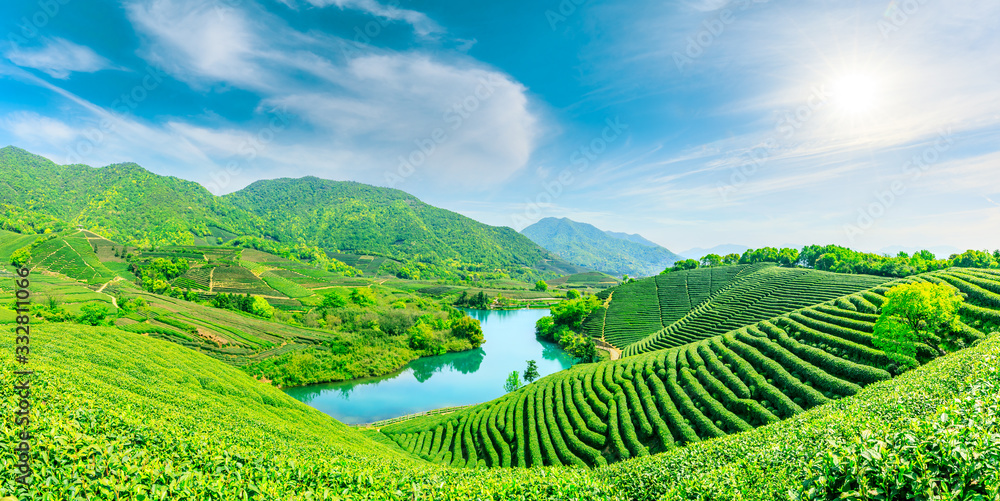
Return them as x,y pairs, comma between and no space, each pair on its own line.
114,300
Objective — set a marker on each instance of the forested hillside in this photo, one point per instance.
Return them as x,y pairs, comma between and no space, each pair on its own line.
369,220
616,254
130,205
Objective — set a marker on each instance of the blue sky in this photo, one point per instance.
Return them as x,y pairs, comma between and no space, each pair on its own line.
693,122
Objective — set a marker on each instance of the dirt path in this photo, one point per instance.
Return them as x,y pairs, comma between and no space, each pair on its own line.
114,300
616,354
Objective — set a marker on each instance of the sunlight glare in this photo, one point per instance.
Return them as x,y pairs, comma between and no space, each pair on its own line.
856,93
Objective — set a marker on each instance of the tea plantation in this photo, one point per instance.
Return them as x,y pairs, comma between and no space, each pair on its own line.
682,307
123,416
756,375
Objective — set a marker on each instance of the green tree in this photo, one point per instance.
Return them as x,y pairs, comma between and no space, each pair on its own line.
21,257
917,313
572,294
363,296
513,382
469,328
261,307
421,336
541,286
531,372
731,259
333,300
711,260
93,314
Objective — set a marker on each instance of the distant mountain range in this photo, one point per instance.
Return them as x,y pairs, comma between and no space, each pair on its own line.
131,205
613,253
722,250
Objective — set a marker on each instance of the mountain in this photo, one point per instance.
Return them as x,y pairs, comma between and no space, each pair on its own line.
722,250
585,245
129,204
359,218
632,237
122,202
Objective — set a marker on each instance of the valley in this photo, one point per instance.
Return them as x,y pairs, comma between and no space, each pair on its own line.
285,330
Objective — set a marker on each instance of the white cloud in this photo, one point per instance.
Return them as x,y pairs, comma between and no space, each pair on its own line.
58,57
369,108
199,41
422,24
34,128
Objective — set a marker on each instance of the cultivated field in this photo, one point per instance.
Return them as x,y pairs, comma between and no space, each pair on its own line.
760,373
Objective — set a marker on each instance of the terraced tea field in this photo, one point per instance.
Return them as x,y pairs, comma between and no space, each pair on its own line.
760,373
369,265
71,256
678,308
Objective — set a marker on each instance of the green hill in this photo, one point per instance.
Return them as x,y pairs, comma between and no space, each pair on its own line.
122,416
128,204
681,307
616,254
364,219
759,374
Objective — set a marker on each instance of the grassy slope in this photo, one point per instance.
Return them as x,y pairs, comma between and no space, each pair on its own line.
758,374
154,420
678,308
121,411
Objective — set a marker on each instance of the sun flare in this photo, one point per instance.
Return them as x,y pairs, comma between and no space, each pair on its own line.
856,93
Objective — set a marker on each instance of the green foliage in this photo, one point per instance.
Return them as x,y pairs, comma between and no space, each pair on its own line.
954,454
333,300
94,314
687,264
363,296
478,301
531,372
917,313
541,286
466,327
21,257
512,383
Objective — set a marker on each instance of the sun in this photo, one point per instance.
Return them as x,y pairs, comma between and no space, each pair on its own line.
856,93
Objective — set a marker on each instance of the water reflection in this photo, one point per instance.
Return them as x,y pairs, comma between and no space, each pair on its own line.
446,380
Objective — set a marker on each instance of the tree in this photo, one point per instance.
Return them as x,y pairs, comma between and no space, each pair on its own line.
917,313
363,296
469,328
513,382
731,259
93,314
261,307
572,294
531,372
711,260
333,300
541,286
21,257
788,257
421,336
583,348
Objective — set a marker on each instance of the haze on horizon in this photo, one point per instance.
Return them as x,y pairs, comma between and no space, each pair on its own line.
694,124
